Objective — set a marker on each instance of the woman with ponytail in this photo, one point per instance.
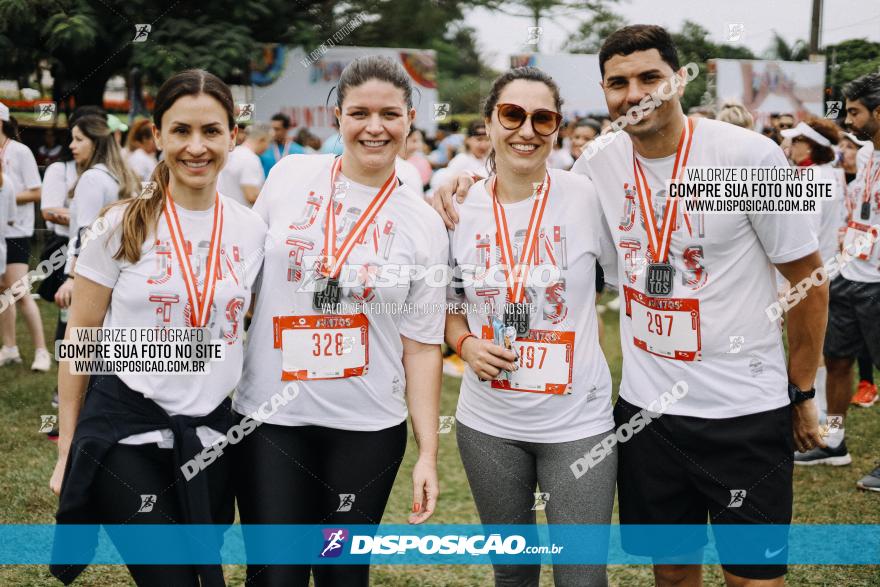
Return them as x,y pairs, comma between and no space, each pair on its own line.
103,179
179,256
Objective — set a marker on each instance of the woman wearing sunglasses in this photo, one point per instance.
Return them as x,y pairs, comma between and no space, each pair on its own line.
525,252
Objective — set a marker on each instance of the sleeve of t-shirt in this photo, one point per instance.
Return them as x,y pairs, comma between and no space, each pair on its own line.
784,237
89,196
30,173
607,251
252,172
54,187
425,318
96,260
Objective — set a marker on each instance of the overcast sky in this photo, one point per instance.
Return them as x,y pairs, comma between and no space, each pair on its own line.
500,35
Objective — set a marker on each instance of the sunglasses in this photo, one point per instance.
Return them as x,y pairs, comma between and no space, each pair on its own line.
544,122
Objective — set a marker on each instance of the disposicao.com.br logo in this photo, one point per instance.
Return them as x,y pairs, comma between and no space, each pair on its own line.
431,544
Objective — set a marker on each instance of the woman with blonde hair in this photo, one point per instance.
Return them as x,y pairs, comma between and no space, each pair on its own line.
734,112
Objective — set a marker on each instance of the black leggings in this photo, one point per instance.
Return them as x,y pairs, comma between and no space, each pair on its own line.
295,475
129,471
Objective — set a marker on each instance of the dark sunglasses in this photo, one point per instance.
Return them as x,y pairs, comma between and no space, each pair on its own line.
544,122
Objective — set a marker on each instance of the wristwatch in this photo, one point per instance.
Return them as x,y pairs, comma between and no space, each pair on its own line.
797,396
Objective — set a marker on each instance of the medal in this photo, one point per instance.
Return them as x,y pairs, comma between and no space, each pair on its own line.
199,302
327,292
866,211
516,313
327,295
658,277
658,280
518,317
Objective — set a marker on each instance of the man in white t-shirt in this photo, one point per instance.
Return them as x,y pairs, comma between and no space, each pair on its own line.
242,177
724,450
854,316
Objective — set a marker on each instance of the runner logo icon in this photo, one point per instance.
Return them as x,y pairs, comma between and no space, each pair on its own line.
333,540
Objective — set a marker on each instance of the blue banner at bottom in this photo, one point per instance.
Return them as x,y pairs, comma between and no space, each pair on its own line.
439,544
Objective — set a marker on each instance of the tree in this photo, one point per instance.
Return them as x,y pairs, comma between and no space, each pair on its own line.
694,45
549,9
848,60
88,41
592,33
780,49
461,73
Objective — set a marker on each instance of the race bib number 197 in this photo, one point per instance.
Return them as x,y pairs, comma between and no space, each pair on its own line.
545,362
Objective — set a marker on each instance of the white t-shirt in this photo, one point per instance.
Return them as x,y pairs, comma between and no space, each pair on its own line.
243,167
409,175
832,216
560,159
142,163
572,236
152,294
95,189
723,263
7,215
405,233
21,167
57,181
864,270
467,163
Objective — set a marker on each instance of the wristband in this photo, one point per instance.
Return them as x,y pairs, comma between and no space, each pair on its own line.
461,340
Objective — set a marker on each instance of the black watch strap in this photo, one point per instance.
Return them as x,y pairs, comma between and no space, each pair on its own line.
796,395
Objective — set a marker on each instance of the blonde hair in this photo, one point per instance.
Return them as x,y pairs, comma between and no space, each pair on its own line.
736,113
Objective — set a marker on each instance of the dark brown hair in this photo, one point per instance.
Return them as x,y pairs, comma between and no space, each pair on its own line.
639,37
363,69
531,74
142,214
820,154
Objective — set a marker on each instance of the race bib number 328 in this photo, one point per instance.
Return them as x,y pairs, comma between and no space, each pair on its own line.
322,347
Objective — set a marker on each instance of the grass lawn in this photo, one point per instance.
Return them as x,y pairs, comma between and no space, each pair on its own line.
823,495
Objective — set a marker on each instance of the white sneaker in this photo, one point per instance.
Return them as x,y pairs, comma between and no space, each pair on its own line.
9,354
613,305
42,361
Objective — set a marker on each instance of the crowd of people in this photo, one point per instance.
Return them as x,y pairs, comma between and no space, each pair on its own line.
516,189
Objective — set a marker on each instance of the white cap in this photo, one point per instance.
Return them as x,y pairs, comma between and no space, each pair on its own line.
4,112
805,130
855,139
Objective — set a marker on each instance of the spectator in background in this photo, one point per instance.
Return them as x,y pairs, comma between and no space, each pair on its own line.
448,146
310,143
733,112
242,177
141,149
783,121
701,112
583,131
7,213
50,151
476,151
849,146
415,154
281,144
333,143
240,135
21,169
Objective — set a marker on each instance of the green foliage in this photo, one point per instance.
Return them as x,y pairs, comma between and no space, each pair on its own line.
592,33
780,49
848,60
